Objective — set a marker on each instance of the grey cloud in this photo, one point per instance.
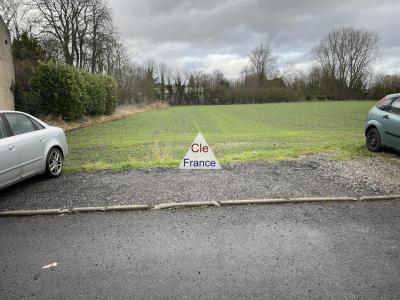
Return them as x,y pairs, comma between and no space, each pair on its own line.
171,30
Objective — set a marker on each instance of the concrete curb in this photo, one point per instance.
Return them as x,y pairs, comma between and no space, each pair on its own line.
186,204
253,202
323,199
377,198
128,207
199,204
36,212
286,200
88,209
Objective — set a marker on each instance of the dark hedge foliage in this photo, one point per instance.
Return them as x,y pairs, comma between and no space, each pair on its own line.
65,91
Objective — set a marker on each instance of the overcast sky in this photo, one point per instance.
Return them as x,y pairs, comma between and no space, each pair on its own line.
218,34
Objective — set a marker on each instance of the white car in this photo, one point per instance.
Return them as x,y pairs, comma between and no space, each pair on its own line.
29,147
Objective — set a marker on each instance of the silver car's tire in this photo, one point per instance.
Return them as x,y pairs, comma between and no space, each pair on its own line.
54,163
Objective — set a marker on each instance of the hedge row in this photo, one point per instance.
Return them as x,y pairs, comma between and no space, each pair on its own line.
62,90
257,95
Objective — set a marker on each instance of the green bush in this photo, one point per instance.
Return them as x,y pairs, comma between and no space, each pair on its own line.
58,90
110,94
96,97
65,91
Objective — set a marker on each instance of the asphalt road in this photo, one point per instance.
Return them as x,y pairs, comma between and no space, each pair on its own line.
302,251
311,176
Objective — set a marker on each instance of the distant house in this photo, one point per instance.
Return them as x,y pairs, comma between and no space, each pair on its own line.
7,76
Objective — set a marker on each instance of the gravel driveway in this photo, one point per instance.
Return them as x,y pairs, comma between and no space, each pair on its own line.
312,176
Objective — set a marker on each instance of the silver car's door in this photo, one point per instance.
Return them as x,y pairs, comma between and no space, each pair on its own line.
29,143
9,162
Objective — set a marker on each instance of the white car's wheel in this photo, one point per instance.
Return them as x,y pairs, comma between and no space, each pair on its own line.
54,163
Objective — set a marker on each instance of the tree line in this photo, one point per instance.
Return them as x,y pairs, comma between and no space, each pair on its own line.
81,33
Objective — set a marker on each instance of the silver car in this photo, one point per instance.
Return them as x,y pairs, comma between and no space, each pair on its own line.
29,147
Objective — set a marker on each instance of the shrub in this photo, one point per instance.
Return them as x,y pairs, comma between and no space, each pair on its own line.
65,91
110,94
321,97
58,90
96,101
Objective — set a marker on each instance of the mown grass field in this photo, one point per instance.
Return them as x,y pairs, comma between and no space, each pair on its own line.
235,133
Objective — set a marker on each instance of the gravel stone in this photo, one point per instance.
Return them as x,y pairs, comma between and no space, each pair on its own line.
309,176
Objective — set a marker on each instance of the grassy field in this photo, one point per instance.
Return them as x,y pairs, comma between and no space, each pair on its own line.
235,133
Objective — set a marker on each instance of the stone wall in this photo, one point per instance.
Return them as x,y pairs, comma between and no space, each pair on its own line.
6,69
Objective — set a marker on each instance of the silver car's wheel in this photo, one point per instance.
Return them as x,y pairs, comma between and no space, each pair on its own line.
55,163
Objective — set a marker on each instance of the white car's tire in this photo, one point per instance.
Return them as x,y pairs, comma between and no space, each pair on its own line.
54,163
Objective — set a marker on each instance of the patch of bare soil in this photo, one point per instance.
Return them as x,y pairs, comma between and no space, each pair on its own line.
121,112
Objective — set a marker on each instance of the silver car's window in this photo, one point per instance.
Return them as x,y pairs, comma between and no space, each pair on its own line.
19,123
3,133
395,107
37,124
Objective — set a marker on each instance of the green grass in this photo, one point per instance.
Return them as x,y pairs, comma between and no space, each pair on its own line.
235,132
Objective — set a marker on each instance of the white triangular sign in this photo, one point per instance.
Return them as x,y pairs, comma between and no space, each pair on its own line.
199,156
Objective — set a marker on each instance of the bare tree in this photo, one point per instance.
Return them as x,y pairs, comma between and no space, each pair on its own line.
15,15
162,74
58,18
80,26
262,60
101,23
346,56
169,84
384,84
83,29
180,87
289,73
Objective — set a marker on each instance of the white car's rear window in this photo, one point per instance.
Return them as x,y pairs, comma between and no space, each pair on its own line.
20,124
3,133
